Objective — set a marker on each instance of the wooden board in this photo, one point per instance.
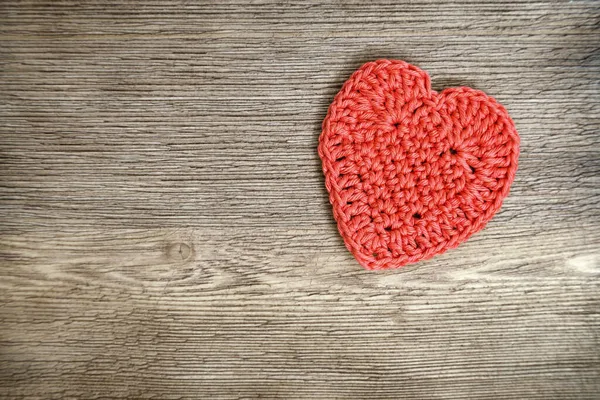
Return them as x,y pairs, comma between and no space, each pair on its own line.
165,231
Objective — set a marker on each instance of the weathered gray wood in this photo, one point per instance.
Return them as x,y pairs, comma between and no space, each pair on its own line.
165,231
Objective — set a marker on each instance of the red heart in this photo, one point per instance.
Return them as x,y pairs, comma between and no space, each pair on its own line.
412,173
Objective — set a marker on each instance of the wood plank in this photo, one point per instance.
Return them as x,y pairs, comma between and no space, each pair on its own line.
165,231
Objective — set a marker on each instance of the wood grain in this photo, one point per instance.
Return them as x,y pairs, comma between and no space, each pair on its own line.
165,230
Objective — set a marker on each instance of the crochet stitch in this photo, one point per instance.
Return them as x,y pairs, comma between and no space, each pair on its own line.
412,173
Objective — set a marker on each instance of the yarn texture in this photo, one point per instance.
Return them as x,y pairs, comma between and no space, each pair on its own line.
411,172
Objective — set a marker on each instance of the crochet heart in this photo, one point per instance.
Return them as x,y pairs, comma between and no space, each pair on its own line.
411,172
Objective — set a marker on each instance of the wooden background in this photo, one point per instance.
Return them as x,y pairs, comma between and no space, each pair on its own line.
166,233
